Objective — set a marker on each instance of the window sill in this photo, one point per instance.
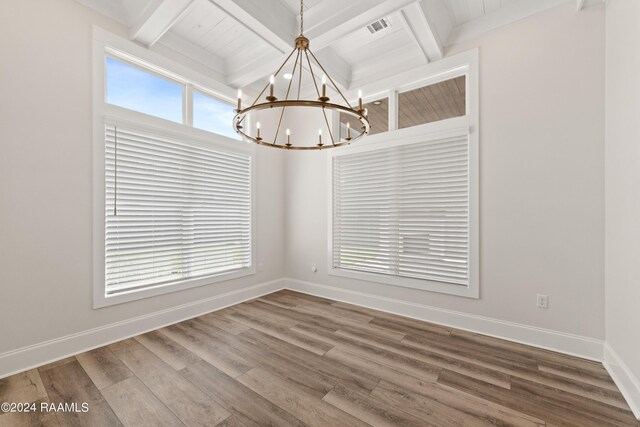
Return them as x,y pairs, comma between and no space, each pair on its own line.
100,299
470,291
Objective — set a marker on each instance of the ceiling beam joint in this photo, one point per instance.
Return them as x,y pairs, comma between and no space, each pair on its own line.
157,19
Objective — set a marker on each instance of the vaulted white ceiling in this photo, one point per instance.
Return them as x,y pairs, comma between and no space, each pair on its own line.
244,41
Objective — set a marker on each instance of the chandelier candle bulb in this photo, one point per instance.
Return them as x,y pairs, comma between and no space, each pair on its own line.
288,137
258,128
271,83
319,137
348,131
239,99
360,100
324,97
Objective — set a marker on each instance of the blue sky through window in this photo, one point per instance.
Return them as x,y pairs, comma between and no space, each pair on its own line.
213,115
132,88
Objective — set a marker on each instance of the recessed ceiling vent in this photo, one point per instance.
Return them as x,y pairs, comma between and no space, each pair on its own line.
378,25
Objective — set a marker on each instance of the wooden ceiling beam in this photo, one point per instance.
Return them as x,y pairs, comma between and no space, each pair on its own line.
157,19
423,32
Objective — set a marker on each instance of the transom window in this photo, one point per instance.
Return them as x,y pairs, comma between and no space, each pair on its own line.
378,111
131,87
432,103
213,115
137,88
406,108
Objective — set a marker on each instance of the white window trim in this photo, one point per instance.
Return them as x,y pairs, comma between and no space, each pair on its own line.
455,66
105,43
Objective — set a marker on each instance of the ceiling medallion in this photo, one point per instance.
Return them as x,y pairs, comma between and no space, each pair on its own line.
303,58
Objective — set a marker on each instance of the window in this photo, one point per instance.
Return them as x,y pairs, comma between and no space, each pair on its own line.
131,87
173,204
438,101
404,211
404,204
174,211
378,111
409,107
213,115
137,88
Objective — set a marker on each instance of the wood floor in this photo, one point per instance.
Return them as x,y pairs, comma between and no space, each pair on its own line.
293,359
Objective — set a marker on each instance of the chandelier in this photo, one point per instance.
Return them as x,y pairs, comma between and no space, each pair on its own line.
304,58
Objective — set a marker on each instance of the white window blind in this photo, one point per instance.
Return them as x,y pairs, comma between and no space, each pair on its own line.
174,211
404,211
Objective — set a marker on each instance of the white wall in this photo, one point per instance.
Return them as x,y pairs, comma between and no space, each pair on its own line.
45,181
622,183
541,197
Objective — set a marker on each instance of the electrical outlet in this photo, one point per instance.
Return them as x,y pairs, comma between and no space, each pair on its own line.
543,301
314,268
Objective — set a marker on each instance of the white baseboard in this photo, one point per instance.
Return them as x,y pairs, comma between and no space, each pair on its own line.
25,358
30,357
574,345
628,384
39,354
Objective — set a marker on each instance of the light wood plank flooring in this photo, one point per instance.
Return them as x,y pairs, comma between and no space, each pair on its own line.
294,359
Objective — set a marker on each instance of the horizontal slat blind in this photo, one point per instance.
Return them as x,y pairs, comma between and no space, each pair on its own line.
404,211
174,211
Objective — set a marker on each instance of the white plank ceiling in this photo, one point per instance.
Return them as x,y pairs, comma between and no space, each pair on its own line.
208,27
244,41
463,11
360,46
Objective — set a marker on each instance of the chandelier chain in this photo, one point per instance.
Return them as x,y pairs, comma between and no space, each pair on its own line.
301,17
